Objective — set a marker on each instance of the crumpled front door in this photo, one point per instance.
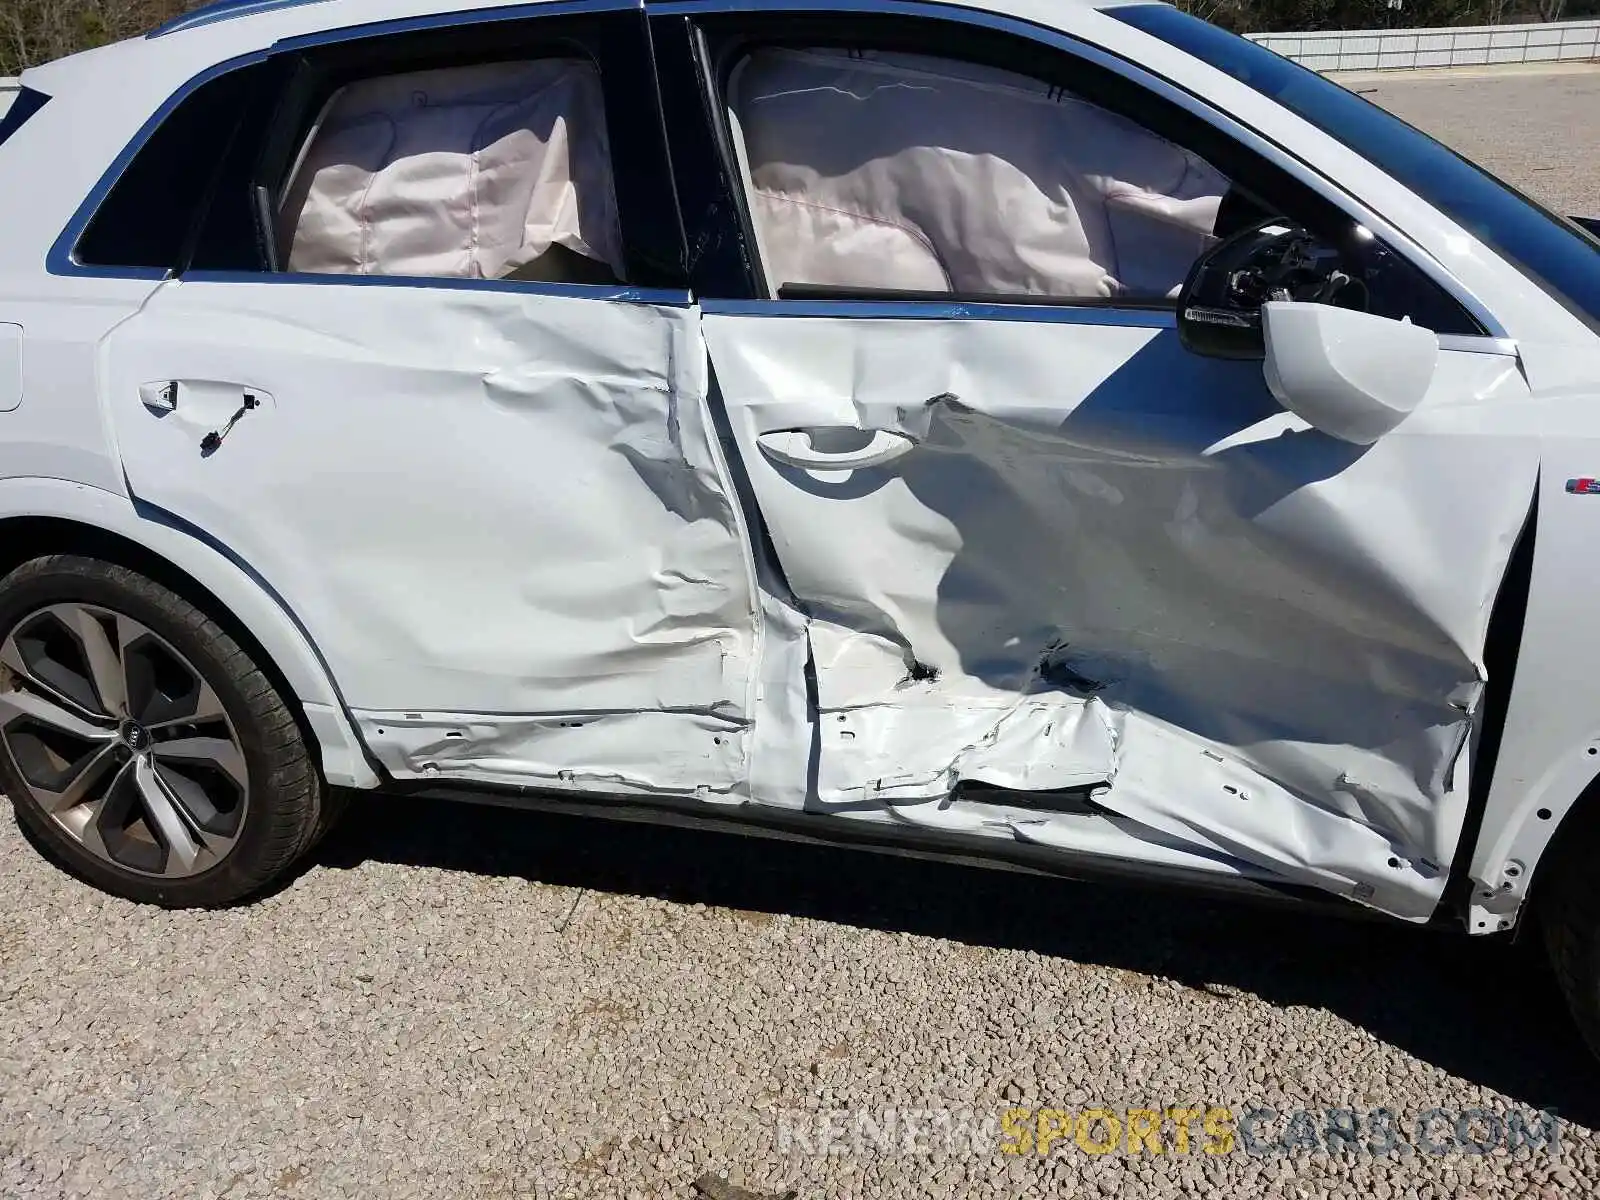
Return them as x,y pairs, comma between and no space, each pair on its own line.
1062,553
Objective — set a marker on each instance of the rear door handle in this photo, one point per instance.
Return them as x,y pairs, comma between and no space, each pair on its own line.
212,442
794,448
206,409
159,398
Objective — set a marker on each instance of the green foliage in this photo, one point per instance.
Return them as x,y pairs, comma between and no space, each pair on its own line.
35,31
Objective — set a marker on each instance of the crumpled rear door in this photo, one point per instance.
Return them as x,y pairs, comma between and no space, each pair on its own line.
500,515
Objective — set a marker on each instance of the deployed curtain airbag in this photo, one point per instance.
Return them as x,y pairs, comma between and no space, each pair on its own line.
912,173
466,172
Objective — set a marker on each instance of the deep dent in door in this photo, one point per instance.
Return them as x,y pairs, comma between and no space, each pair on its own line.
1227,628
500,515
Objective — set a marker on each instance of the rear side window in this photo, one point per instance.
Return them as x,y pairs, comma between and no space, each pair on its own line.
420,155
147,217
491,171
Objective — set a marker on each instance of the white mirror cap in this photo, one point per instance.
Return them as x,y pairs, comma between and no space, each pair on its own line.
1350,374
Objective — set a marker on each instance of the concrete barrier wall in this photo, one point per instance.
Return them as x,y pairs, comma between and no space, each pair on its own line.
1407,49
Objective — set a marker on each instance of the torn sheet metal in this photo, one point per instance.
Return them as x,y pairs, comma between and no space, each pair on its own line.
629,753
1263,641
487,507
926,742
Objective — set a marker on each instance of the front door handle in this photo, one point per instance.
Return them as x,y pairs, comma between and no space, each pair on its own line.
797,448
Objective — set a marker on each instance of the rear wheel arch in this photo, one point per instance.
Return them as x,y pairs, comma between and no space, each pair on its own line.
1564,902
1571,831
99,525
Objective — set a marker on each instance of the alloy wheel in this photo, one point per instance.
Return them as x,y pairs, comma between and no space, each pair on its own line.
121,741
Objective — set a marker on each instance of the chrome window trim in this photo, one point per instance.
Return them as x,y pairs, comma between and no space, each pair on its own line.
1466,344
233,10
1054,313
223,10
621,293
1258,143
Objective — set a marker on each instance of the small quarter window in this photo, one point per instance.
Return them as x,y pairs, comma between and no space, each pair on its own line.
492,171
886,172
147,217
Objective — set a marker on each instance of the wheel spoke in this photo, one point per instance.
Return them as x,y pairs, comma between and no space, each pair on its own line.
103,658
84,820
170,808
219,752
212,824
48,711
207,708
78,789
11,657
164,816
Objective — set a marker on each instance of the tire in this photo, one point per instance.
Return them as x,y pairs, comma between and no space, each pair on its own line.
204,790
334,802
1569,918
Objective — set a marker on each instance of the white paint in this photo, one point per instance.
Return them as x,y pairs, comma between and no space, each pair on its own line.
494,504
1350,374
10,366
1551,748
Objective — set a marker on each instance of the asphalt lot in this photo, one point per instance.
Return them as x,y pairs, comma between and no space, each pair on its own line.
1539,130
462,1002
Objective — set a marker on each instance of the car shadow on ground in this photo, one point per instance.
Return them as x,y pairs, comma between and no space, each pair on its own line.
1487,1011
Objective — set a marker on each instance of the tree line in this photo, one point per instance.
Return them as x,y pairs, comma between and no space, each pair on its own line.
35,31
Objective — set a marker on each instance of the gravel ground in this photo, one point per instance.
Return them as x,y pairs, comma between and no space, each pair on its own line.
463,1002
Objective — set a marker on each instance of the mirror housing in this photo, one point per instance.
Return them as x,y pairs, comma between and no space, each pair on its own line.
1215,317
1219,305
1349,374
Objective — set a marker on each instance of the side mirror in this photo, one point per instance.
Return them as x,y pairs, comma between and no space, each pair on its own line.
1219,305
1350,374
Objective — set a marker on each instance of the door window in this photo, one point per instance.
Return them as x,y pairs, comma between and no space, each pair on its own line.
148,215
879,157
488,150
880,171
492,171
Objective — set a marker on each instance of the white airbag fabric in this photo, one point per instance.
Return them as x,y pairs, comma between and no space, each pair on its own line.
467,172
906,172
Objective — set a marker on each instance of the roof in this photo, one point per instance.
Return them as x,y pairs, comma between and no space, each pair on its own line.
228,10
223,10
